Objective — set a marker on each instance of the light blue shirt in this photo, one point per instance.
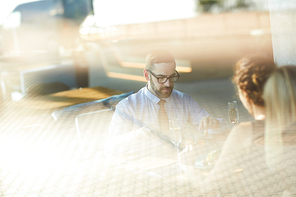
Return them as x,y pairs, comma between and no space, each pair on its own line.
141,109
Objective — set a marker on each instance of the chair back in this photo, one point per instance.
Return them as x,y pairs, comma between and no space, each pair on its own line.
70,113
92,131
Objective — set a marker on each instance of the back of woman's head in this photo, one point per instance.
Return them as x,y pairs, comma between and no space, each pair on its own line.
251,73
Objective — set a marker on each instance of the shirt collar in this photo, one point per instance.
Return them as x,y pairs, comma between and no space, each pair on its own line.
154,98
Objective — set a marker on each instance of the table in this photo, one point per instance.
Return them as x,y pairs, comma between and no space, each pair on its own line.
48,161
119,176
56,101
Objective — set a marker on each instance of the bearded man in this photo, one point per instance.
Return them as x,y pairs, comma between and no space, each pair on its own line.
145,115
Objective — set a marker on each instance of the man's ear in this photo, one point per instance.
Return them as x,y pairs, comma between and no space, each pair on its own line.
146,74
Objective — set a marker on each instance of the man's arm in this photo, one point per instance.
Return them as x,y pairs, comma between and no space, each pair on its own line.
126,132
200,119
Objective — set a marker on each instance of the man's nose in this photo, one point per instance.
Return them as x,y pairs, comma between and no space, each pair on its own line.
167,83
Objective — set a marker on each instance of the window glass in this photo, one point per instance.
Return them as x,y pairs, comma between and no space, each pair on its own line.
13,20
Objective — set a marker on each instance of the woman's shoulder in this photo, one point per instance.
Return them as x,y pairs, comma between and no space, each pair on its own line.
240,132
241,128
239,137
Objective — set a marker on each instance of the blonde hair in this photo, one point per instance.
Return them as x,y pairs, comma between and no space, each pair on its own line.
280,101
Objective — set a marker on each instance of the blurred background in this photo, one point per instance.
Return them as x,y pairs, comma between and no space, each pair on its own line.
86,43
40,44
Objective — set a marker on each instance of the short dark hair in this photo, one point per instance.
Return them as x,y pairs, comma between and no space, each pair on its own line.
158,56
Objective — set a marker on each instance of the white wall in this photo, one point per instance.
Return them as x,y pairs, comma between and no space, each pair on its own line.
283,30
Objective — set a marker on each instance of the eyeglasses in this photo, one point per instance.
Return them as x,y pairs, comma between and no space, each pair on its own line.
161,80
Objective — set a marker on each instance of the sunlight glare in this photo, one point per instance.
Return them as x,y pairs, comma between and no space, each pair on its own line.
114,12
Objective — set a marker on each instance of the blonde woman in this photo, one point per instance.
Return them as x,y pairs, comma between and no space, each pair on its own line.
280,126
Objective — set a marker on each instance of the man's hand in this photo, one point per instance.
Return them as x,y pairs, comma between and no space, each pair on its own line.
145,132
186,146
208,122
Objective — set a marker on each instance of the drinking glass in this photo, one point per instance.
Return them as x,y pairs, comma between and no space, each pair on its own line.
176,136
175,132
233,114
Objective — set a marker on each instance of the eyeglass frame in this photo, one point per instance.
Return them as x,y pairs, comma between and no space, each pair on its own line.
165,77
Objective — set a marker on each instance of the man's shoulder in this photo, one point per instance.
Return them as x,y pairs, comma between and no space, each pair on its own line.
183,99
180,95
132,99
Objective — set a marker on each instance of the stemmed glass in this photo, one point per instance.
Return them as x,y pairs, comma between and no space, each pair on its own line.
233,114
176,136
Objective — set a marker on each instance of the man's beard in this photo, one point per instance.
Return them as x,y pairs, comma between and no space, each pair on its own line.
159,93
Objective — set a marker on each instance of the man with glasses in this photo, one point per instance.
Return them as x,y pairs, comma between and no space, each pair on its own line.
144,117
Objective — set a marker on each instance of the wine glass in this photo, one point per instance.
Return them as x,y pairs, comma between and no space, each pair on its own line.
176,136
175,132
233,112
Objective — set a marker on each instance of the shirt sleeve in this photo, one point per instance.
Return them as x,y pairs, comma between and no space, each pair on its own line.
196,113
